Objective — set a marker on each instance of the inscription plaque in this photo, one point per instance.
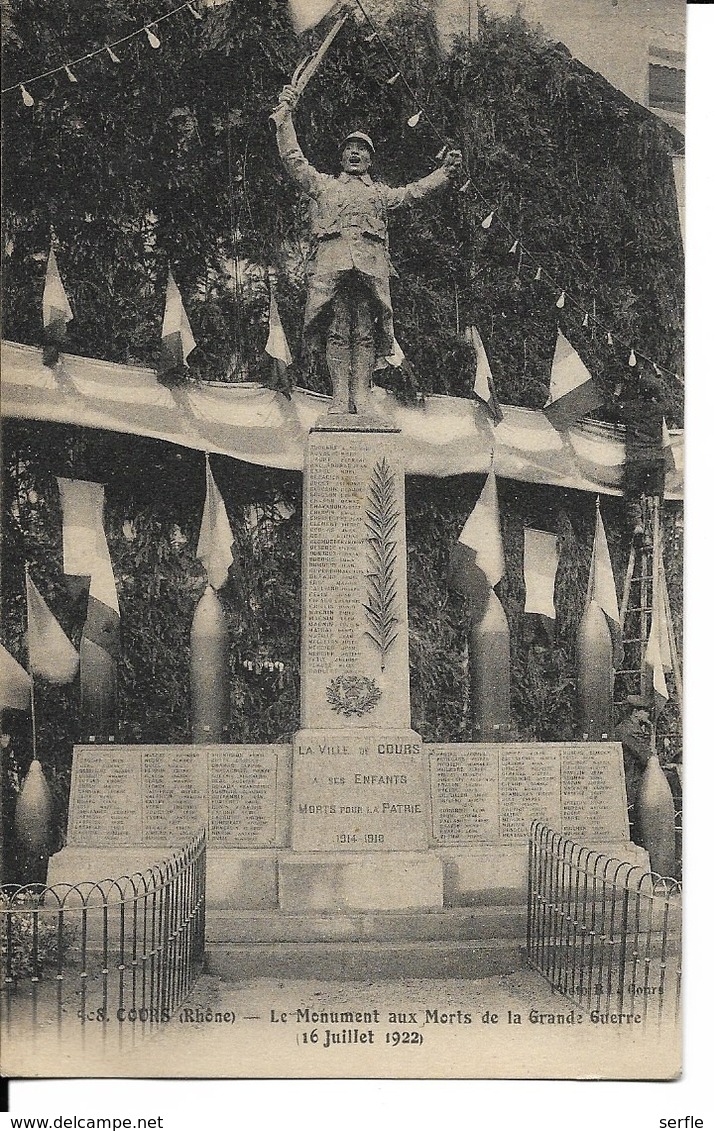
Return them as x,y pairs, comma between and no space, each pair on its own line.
174,793
529,788
105,797
464,794
243,792
358,792
593,792
336,556
161,796
489,794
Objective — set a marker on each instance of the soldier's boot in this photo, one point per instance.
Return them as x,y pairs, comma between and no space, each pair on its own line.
338,356
363,358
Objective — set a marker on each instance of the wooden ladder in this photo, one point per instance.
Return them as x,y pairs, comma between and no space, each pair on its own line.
645,571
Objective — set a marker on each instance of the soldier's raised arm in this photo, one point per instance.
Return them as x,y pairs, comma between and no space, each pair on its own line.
291,155
408,194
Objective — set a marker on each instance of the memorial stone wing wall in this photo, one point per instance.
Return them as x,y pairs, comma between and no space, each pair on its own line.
162,795
159,796
490,794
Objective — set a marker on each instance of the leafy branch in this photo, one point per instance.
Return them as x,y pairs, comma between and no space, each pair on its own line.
382,519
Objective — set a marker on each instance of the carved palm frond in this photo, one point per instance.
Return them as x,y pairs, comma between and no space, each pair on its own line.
382,520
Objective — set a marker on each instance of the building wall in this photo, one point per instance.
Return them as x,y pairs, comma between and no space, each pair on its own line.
617,38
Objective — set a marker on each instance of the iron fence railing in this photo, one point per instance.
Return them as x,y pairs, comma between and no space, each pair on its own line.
605,933
122,950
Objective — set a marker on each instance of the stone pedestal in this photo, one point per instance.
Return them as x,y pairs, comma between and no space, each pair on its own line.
454,817
360,882
359,797
354,659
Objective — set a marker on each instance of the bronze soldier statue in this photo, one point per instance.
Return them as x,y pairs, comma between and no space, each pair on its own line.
349,307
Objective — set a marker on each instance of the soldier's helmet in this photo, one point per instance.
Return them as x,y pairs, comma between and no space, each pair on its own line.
358,135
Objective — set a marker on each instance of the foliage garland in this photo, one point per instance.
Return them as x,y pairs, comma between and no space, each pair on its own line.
153,508
180,167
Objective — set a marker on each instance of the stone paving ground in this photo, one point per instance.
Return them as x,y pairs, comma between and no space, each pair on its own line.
269,1028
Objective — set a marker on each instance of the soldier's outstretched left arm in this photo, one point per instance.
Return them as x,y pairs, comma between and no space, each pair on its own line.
408,194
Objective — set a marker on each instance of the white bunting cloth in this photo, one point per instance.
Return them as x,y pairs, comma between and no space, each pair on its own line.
540,564
443,436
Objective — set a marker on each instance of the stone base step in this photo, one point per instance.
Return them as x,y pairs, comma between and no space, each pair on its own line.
452,925
367,962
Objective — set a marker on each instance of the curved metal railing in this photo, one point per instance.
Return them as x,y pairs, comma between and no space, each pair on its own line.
113,950
606,933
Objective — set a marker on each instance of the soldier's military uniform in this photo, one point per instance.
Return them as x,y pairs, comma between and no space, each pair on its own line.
349,305
639,408
635,755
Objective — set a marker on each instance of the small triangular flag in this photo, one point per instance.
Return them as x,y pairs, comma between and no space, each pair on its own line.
177,340
573,393
215,539
601,587
277,344
56,312
15,683
477,560
484,388
51,654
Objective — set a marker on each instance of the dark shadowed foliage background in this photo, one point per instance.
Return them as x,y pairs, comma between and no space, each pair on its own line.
168,158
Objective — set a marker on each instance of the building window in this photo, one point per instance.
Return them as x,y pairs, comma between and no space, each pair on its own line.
666,80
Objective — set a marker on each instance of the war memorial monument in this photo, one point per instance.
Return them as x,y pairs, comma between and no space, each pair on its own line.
350,850
358,830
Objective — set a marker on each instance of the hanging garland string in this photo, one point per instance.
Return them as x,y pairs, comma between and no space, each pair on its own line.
146,29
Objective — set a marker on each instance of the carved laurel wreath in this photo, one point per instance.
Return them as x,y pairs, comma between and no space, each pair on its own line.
353,694
382,519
